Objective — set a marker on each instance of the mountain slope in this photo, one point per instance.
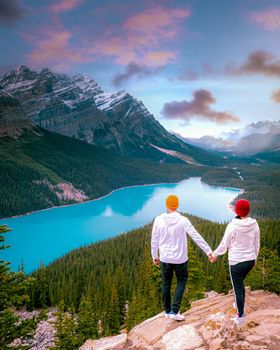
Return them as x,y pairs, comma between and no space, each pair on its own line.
36,167
77,107
13,119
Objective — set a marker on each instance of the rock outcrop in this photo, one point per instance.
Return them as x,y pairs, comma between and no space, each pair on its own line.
207,326
44,335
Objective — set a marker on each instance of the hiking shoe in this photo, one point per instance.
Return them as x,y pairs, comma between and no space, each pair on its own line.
177,317
166,314
238,320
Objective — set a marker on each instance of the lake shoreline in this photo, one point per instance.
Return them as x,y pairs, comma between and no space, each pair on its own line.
121,188
48,235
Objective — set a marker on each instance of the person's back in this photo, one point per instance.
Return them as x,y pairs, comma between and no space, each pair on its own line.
169,238
244,239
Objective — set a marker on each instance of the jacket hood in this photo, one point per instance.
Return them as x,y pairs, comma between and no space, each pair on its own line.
244,223
171,219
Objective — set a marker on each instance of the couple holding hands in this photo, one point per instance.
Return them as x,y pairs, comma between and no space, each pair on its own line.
169,238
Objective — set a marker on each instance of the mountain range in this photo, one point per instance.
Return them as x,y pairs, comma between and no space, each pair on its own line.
76,106
40,168
255,138
64,140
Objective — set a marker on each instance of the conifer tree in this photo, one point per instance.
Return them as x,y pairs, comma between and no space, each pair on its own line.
87,320
113,312
196,278
120,281
66,337
13,293
134,310
222,282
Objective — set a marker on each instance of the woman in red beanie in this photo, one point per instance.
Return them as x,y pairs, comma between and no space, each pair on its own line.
242,241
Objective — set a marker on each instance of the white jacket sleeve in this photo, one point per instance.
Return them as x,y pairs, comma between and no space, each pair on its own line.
223,246
196,237
257,240
154,240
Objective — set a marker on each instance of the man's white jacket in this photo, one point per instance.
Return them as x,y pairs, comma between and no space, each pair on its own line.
169,237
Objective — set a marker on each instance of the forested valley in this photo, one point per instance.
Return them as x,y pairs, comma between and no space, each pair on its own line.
33,163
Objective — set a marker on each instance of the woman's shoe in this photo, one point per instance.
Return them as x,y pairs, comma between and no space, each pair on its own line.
238,320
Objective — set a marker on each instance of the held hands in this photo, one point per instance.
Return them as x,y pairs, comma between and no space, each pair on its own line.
156,261
212,258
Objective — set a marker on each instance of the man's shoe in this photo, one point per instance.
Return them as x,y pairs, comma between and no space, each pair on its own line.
177,317
166,314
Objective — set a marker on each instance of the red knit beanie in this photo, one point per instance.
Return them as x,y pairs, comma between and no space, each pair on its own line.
242,207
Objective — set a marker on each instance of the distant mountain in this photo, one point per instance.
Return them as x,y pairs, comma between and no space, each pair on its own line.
255,138
76,106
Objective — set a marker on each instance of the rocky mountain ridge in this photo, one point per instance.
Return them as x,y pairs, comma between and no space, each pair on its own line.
76,106
207,326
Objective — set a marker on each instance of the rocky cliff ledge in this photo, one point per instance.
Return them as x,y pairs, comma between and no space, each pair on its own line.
207,326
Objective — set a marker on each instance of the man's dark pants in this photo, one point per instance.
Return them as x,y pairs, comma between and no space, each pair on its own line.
181,272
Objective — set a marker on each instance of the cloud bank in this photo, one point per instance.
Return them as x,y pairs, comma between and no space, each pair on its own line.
134,70
142,37
258,62
198,108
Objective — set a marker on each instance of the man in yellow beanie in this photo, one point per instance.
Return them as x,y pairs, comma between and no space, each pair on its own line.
169,237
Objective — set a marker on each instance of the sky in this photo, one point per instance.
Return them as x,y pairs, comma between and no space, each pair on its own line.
201,67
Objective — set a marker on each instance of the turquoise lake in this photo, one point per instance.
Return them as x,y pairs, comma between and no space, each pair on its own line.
43,236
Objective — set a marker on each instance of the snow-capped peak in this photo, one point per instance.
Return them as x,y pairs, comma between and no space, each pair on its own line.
105,101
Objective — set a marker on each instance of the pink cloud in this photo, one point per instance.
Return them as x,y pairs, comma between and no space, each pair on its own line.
54,49
64,5
198,108
276,95
159,58
258,62
142,38
156,21
267,19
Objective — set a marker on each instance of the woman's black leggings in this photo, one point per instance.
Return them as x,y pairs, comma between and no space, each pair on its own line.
238,273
